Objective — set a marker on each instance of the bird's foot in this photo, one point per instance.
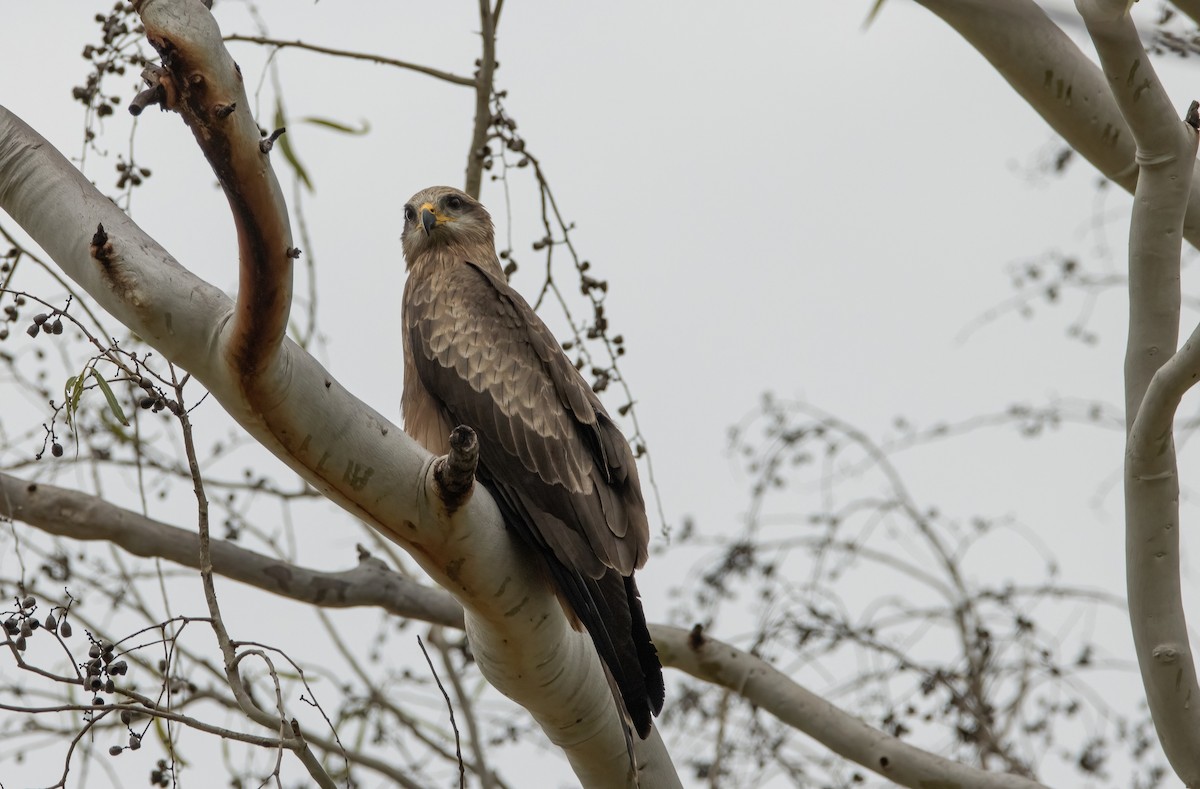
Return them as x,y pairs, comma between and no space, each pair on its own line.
454,473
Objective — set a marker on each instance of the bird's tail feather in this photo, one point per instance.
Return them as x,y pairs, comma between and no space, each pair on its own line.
611,612
609,608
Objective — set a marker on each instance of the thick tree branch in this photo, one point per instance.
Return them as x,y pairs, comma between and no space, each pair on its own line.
1121,120
79,516
202,83
765,687
1058,81
1166,156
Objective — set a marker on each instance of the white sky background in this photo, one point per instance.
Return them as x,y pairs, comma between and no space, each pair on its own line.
780,200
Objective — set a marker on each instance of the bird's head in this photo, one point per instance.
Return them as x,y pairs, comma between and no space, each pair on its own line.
444,216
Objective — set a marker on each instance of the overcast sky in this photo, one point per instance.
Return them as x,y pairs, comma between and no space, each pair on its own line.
781,200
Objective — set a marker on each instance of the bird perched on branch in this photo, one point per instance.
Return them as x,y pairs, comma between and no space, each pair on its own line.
562,473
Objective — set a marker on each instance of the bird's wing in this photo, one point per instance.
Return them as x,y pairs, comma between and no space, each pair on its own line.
480,350
559,469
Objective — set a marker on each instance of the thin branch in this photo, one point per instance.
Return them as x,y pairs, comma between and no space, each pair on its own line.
483,82
413,725
462,768
345,53
464,701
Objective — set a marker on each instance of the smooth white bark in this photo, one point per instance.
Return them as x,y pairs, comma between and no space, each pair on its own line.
1058,81
1121,120
771,690
83,517
1166,153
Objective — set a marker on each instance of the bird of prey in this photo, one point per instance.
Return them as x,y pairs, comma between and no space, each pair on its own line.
563,475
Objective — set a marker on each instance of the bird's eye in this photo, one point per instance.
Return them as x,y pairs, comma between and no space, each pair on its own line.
410,214
454,203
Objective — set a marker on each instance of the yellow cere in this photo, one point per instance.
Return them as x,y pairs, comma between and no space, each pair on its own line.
441,218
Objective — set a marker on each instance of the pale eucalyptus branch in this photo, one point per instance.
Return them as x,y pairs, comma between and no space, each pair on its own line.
769,689
140,708
1166,153
1060,83
79,516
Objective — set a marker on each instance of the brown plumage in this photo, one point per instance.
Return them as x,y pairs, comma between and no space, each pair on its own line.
562,473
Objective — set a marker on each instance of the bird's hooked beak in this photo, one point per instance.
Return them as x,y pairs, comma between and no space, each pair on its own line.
430,218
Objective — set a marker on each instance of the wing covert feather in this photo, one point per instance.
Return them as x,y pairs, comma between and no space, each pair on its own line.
480,349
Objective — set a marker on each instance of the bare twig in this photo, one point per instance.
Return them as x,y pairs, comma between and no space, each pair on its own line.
462,769
344,53
484,87
289,732
486,780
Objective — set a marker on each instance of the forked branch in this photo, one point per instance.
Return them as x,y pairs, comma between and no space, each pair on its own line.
1155,377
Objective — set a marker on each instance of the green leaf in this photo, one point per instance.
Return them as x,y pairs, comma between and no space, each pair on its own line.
284,145
338,126
73,391
113,405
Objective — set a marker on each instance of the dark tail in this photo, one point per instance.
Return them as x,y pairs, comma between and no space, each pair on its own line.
656,691
611,611
608,607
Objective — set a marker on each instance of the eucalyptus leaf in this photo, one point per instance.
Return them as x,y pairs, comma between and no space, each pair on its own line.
113,405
